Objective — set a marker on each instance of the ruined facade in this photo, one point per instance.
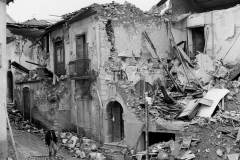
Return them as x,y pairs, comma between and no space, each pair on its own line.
97,57
99,54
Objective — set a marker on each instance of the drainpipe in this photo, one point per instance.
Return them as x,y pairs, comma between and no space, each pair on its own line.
146,117
212,35
98,45
101,105
98,95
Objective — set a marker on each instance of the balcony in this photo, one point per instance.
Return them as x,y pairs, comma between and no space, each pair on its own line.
80,69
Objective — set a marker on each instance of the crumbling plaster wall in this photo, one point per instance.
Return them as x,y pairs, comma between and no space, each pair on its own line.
49,103
86,112
221,33
129,43
20,51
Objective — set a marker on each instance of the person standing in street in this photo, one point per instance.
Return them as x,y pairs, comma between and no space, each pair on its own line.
51,142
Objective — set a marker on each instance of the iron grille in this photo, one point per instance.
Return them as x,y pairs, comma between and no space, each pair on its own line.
79,68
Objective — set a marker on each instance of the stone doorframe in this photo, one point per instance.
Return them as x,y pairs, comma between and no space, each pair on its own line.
107,129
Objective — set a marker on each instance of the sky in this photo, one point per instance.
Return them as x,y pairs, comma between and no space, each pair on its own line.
22,10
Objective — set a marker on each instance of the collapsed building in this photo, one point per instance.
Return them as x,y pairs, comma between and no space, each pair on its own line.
92,66
94,53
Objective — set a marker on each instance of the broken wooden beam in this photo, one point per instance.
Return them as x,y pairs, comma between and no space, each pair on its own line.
160,60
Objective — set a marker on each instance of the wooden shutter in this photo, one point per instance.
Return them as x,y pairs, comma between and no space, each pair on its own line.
59,58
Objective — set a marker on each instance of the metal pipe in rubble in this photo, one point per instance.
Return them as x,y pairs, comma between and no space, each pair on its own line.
146,116
147,138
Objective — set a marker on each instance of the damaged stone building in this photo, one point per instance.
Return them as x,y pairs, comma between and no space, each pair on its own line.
20,49
96,55
92,66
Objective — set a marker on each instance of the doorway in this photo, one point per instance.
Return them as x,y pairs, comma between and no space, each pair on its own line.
9,87
115,121
26,103
198,40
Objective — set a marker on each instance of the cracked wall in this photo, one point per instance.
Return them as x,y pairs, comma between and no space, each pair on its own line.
86,112
50,105
21,50
127,50
221,29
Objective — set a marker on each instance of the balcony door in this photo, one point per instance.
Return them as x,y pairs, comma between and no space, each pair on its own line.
83,63
59,57
81,48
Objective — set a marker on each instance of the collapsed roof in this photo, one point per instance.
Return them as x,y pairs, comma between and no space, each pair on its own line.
30,29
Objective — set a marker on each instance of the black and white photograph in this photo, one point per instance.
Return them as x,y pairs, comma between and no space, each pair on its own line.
120,80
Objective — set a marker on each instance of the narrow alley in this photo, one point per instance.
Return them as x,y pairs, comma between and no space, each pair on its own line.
30,145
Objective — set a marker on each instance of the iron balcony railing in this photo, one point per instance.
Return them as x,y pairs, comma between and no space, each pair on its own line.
79,68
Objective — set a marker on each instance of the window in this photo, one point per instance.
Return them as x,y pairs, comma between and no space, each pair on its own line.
59,58
81,48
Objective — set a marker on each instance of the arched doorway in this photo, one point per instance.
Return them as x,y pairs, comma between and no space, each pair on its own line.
115,122
9,87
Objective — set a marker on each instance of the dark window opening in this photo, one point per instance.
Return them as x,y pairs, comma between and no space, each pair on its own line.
156,137
59,58
198,40
9,64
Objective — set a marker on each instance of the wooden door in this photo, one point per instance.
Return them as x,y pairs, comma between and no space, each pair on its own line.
59,58
26,103
9,87
84,115
117,122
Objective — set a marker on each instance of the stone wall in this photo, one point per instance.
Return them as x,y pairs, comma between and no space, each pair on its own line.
21,50
50,105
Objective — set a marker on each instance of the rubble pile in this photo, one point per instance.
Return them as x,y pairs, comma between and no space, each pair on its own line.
217,137
20,124
120,13
85,148
80,148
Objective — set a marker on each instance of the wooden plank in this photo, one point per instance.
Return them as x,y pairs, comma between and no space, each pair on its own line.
191,110
205,101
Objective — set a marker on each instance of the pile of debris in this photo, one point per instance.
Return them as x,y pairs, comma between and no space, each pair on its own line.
217,137
80,148
20,124
90,149
119,13
197,86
